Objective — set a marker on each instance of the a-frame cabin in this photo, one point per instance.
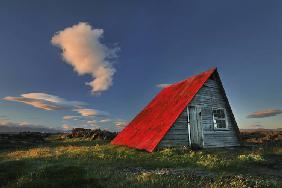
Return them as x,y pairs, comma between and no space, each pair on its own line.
194,112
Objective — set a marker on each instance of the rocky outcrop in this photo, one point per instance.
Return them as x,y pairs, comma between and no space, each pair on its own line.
95,134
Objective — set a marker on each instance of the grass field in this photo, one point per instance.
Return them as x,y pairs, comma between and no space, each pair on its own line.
82,163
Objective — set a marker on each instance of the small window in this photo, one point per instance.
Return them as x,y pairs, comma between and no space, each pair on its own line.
219,118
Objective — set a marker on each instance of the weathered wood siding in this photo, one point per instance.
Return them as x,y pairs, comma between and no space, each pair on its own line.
209,96
177,135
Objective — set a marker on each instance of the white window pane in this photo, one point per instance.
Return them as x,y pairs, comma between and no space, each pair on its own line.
219,118
221,123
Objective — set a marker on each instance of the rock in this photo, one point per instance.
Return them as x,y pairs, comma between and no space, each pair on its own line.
95,134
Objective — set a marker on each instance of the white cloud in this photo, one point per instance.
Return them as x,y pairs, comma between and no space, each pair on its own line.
43,96
82,48
35,103
163,85
70,117
256,126
104,120
120,124
85,112
45,101
92,122
23,123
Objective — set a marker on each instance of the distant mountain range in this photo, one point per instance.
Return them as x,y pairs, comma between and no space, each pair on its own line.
14,129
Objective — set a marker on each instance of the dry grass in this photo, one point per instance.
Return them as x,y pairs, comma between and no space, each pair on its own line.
80,163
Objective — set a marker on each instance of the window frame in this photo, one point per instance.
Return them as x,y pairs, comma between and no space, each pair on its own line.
214,120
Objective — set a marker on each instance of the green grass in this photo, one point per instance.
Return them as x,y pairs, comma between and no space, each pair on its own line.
82,163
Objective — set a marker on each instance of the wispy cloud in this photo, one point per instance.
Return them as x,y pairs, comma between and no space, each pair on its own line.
43,96
93,124
90,112
70,117
120,124
35,103
83,117
256,126
105,120
82,48
163,85
45,101
265,113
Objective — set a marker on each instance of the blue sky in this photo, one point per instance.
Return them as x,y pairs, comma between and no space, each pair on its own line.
156,42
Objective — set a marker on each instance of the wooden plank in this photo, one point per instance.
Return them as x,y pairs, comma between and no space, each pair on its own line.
176,137
179,125
178,131
174,142
182,120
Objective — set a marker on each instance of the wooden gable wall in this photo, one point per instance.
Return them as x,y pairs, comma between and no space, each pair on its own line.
211,95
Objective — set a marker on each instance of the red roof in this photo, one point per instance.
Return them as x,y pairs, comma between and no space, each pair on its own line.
148,128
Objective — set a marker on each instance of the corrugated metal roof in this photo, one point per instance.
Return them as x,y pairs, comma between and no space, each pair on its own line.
147,129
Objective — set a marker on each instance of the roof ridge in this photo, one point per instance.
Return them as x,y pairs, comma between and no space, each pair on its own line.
211,69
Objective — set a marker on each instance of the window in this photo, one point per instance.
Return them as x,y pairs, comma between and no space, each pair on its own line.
219,118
